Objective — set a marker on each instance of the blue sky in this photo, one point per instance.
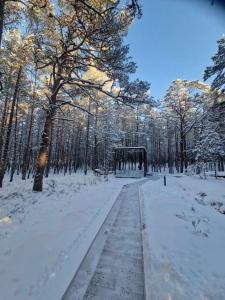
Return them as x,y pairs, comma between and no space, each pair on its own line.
175,39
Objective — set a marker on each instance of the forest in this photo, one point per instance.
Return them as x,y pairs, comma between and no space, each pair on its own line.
67,98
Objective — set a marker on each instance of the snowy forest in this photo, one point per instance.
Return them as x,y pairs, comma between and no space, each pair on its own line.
112,150
67,99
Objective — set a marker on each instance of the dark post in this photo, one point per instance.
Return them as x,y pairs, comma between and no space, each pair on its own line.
164,180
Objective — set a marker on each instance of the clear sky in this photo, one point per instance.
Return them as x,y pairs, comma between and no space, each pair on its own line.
175,39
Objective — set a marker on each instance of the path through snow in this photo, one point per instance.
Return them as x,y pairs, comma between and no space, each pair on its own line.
44,236
113,268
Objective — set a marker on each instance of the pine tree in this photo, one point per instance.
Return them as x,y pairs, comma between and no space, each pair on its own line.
183,105
218,67
86,35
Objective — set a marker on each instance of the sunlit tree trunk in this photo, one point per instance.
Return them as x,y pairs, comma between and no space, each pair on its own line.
42,155
48,165
45,140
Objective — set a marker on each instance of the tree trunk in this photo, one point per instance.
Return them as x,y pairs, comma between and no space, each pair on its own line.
137,127
95,164
106,157
13,167
19,148
182,137
176,152
48,165
222,164
185,154
181,154
4,116
9,128
77,150
87,141
169,150
42,155
26,154
67,156
2,12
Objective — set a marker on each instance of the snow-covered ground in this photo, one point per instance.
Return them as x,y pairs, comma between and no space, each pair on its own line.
44,236
185,231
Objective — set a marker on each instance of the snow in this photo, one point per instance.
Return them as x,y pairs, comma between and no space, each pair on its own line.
44,236
185,237
113,267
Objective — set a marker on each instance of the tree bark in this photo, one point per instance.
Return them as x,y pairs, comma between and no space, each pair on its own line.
177,152
181,154
77,150
45,140
26,154
185,154
5,111
169,149
87,141
9,128
182,137
13,167
2,12
48,165
42,155
95,164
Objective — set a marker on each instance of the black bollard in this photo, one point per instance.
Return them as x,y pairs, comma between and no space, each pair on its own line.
164,180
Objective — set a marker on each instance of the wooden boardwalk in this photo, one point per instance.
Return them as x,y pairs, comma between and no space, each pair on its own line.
113,267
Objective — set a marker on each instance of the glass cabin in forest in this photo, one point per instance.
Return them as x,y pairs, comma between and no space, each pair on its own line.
130,162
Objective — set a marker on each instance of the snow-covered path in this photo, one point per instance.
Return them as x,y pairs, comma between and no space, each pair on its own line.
44,237
113,267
